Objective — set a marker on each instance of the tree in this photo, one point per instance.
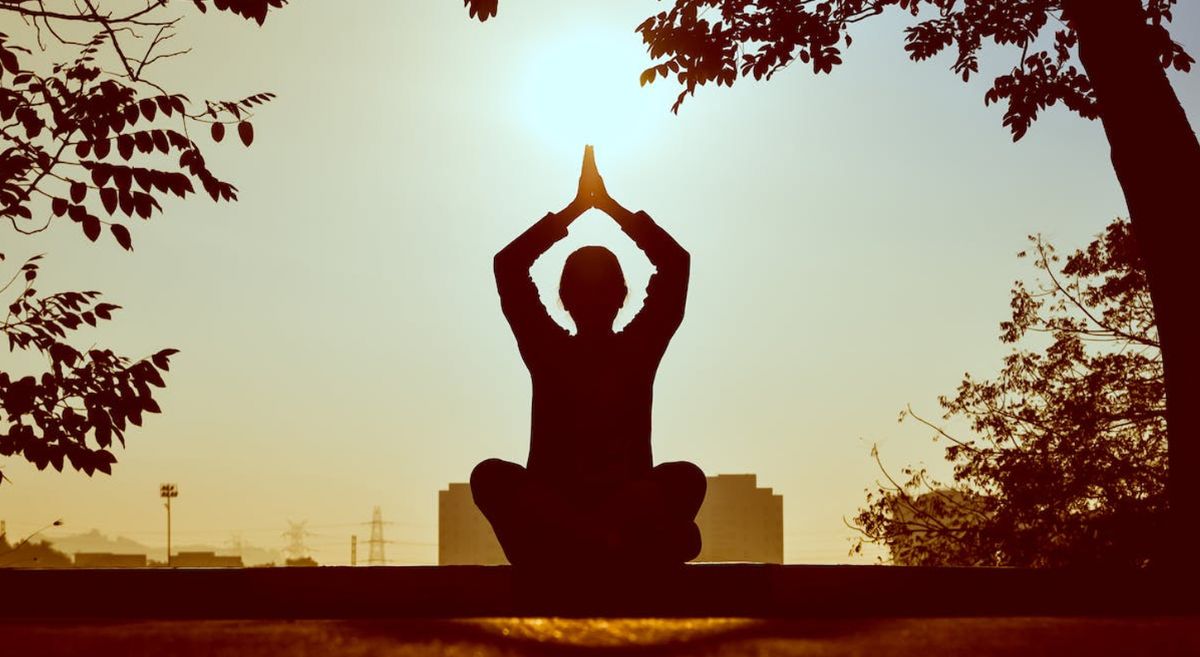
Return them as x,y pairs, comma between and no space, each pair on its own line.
32,554
87,137
1067,463
1102,59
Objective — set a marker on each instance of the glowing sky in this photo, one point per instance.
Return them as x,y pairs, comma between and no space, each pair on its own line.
852,243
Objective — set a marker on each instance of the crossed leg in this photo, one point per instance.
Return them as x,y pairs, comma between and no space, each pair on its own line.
648,521
655,516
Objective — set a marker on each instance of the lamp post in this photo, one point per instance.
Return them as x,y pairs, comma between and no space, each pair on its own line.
168,491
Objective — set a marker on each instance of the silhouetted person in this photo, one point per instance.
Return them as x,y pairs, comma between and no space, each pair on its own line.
590,490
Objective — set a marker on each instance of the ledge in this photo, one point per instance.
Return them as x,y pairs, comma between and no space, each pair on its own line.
729,590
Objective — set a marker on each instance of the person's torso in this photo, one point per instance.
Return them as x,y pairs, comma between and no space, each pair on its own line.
592,402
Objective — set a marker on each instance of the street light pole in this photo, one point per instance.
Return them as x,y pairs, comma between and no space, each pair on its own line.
168,491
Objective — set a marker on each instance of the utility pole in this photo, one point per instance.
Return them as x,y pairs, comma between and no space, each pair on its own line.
168,491
353,549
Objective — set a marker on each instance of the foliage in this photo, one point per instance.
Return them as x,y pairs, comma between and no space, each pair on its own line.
760,38
481,9
1067,463
698,42
94,394
94,141
32,554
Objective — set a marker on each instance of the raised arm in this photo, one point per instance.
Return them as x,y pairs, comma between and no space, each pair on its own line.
518,294
666,294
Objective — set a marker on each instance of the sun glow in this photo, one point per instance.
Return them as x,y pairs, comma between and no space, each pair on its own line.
582,88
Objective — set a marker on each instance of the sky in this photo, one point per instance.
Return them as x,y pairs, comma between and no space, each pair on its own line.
853,242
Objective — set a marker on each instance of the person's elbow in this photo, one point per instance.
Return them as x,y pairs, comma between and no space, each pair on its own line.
503,262
676,258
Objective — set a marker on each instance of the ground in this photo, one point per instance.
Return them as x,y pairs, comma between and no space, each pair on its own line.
924,637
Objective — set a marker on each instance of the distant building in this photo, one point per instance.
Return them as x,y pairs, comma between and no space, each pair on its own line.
205,560
464,536
109,560
738,522
301,562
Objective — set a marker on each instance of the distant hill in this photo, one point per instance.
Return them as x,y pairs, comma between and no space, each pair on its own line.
96,541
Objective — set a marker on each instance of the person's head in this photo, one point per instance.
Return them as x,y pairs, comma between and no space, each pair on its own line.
592,288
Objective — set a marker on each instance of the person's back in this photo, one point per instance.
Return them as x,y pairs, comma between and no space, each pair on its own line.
592,396
591,413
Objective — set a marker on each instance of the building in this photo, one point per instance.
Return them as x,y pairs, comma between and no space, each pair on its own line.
464,536
109,560
205,560
738,522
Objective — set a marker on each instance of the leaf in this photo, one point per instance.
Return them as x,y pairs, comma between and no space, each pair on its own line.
123,177
144,142
218,131
148,108
91,227
164,104
9,61
103,310
126,202
59,206
121,233
108,197
101,174
162,358
103,426
152,376
78,191
125,145
246,132
141,204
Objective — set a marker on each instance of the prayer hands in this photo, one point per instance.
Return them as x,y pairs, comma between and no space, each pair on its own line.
592,193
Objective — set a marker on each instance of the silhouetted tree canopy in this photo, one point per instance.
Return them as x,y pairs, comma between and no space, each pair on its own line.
89,136
718,41
32,554
697,42
1066,461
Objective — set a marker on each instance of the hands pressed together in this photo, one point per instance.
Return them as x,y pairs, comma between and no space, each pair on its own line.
592,193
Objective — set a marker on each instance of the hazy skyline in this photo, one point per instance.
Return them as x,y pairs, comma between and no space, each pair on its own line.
852,240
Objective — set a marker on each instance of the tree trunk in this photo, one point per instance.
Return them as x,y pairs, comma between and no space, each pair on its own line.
1157,161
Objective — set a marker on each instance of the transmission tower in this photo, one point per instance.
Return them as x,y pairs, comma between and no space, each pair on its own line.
296,533
375,556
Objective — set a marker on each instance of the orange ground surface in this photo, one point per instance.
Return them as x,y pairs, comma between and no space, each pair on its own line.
982,637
